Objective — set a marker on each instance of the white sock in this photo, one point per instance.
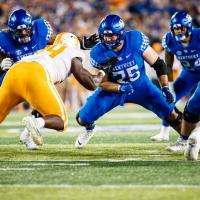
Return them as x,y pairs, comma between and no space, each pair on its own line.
40,122
165,130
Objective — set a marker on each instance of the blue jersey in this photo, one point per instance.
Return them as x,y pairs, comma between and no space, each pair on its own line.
42,31
189,55
130,66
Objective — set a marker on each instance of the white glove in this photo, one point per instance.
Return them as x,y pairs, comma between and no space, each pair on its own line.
6,64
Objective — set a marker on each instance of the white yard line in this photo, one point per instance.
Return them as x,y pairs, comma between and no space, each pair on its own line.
50,162
15,169
99,128
133,186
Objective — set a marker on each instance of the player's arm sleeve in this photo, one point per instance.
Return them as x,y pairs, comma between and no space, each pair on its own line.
169,57
48,30
142,41
165,42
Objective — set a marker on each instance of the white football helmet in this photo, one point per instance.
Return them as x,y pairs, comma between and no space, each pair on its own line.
67,39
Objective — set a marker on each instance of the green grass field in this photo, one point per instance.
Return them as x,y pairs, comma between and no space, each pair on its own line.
120,162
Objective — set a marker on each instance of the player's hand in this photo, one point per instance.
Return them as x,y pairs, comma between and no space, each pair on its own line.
126,88
167,94
6,64
89,42
107,65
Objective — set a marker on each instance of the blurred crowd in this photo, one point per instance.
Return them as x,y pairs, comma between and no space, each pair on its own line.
82,17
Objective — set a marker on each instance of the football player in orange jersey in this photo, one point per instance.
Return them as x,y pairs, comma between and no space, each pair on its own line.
32,79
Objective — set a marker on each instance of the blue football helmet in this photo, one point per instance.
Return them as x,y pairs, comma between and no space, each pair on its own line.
20,25
111,25
181,19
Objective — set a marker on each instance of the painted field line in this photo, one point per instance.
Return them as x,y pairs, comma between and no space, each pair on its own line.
99,160
105,129
133,186
15,169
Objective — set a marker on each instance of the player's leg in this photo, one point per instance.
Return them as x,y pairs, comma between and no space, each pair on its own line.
99,103
43,96
156,102
191,117
183,85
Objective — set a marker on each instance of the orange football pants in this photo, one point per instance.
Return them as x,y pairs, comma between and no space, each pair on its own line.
29,81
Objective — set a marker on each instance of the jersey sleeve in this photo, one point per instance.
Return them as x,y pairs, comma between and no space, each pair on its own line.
78,53
139,40
99,55
44,28
165,42
144,42
3,43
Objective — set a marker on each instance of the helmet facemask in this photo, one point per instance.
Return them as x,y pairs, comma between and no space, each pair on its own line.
181,26
22,35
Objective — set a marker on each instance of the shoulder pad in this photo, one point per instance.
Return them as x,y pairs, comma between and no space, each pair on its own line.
44,28
99,54
166,40
4,41
139,39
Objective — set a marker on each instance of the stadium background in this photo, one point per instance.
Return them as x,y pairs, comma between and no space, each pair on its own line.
120,162
82,17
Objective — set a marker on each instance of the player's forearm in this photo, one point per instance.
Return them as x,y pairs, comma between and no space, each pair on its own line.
110,86
169,60
163,79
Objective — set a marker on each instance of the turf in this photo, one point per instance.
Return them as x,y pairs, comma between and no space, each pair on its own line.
114,165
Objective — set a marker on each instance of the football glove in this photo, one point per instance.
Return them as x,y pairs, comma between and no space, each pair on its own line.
89,42
107,65
6,64
168,95
126,88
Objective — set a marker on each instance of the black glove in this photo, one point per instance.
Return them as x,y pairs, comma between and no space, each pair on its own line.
109,64
36,114
89,42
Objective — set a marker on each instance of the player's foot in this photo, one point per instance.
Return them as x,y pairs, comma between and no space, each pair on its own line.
178,146
31,124
160,137
193,146
27,140
84,137
163,135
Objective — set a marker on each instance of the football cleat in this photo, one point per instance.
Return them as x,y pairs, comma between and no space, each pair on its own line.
84,138
31,124
27,140
178,146
163,135
193,146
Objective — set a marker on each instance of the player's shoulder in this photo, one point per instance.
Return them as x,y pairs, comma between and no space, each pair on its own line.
4,35
167,40
5,40
99,54
138,39
196,32
43,28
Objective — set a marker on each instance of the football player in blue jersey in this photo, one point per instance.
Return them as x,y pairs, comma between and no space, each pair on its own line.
126,80
191,117
24,37
183,42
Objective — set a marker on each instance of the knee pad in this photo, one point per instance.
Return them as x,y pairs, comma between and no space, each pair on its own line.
85,124
177,121
190,117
